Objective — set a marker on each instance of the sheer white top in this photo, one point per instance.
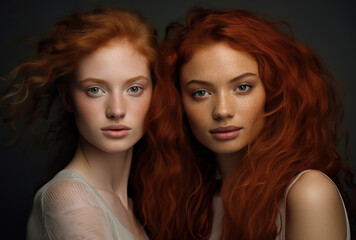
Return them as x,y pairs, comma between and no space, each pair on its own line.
68,207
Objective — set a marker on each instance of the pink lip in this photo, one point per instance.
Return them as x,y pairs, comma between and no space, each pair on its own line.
116,131
225,133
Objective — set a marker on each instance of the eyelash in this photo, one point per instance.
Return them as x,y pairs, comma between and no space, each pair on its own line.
243,85
100,91
195,93
139,92
95,94
238,89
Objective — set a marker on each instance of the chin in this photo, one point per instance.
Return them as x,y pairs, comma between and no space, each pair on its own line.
116,149
231,149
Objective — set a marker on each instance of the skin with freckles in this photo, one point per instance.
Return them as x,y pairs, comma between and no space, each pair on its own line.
262,123
224,101
110,97
112,88
223,98
99,64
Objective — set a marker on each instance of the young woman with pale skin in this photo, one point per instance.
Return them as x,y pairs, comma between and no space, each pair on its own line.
261,118
109,105
100,64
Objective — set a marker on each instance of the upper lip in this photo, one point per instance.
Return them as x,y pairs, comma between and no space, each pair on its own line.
225,129
116,127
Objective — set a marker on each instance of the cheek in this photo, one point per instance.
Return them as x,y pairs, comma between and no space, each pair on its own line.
256,115
254,112
140,109
258,126
196,116
86,110
146,103
85,113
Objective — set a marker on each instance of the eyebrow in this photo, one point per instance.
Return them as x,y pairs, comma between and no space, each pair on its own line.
235,79
101,81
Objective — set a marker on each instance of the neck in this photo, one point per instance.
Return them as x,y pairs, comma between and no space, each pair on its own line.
104,171
227,162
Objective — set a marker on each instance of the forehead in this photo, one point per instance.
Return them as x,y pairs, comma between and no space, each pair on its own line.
115,60
218,61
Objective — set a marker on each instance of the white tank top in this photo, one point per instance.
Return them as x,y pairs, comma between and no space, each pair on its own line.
281,219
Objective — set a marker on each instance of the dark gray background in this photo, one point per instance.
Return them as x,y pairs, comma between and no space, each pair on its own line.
326,26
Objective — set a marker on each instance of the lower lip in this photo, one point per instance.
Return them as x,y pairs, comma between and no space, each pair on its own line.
226,135
116,133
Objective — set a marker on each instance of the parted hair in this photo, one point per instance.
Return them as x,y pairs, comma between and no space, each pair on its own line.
303,130
33,87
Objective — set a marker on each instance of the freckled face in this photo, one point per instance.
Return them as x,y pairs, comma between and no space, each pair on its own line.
111,96
223,98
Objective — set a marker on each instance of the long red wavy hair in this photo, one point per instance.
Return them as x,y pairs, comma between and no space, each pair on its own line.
33,90
303,129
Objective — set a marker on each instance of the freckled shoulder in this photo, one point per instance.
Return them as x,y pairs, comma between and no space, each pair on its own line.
315,209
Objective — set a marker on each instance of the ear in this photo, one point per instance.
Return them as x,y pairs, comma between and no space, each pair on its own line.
65,97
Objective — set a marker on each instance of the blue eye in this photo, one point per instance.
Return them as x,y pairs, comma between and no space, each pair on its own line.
94,90
135,90
200,93
243,87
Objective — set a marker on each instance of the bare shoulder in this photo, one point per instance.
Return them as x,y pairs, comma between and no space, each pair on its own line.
315,209
313,187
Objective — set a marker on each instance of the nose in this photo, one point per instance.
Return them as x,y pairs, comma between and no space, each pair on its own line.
223,107
115,108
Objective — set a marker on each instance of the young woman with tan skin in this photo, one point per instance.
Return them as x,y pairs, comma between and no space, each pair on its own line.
224,100
261,120
99,63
